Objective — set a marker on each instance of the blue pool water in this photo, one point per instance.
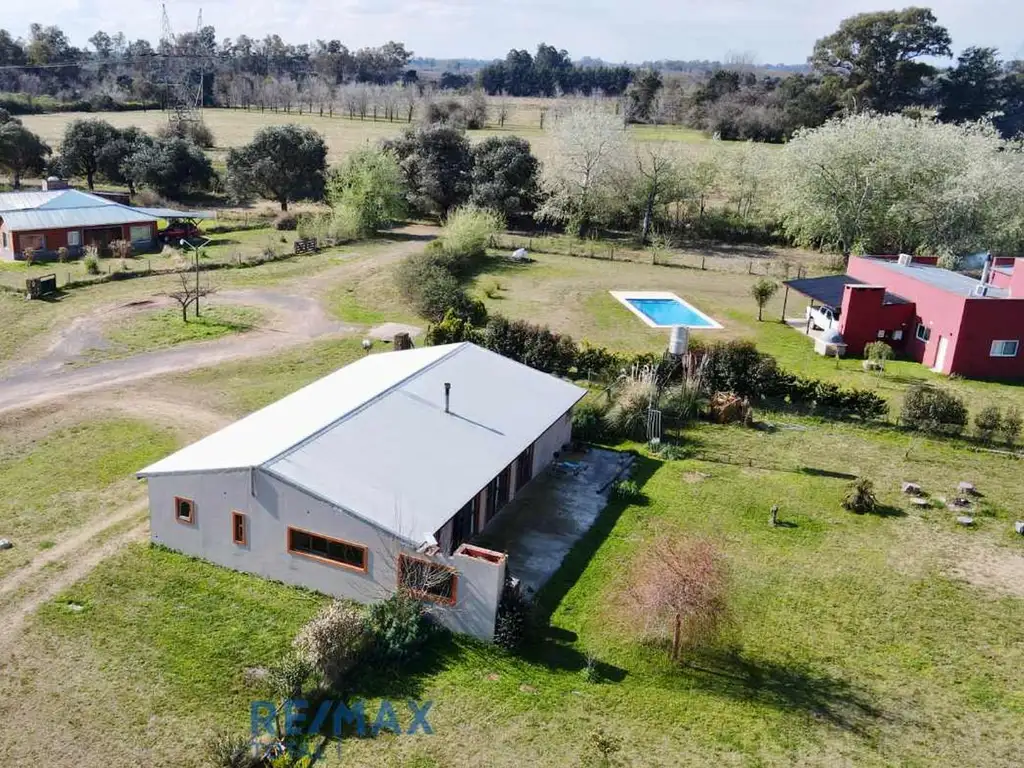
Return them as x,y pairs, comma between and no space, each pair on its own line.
671,312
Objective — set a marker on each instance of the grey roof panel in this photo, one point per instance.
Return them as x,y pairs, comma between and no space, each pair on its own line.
170,213
21,221
943,279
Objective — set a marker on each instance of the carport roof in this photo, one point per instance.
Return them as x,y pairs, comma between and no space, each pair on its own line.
373,438
828,289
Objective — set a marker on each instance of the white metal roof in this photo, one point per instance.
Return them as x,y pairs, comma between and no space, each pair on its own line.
57,199
373,437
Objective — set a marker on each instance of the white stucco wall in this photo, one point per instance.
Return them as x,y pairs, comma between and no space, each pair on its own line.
551,442
271,506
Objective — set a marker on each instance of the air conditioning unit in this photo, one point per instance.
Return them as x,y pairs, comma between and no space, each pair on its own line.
904,259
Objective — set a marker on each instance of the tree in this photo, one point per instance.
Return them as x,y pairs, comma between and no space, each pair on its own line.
679,588
370,185
762,292
282,163
657,181
875,55
891,184
1010,428
973,89
188,292
49,45
114,154
641,94
21,151
505,175
589,143
81,147
172,167
437,163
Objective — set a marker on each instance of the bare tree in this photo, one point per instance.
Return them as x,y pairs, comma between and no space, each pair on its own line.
679,588
658,176
189,292
502,109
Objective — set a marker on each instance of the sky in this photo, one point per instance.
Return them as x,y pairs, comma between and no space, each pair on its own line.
771,31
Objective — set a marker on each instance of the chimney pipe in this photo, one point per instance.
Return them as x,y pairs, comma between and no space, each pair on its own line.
447,395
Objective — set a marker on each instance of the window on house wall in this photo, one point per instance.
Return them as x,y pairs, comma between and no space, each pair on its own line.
239,534
524,468
503,488
1004,348
325,549
32,242
897,335
3,239
141,234
881,334
923,332
74,238
427,580
184,510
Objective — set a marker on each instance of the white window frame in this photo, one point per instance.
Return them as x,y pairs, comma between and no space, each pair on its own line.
999,342
897,335
75,234
927,333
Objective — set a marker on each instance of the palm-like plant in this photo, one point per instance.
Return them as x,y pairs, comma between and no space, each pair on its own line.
860,497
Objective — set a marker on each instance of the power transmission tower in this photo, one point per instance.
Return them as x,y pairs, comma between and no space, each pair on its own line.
183,99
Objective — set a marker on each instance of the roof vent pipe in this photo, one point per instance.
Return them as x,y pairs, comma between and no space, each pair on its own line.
447,395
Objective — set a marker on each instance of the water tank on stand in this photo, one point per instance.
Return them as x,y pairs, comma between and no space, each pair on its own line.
678,340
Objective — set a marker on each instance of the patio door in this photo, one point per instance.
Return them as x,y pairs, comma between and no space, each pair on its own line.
940,354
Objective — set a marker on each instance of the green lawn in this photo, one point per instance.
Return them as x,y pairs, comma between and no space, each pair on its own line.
165,328
69,477
867,640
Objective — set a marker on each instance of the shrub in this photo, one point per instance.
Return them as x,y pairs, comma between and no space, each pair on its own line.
91,262
232,750
286,222
627,491
121,249
627,416
878,352
433,291
533,345
63,254
333,640
491,289
466,234
1011,425
198,133
292,677
860,496
515,621
451,330
588,422
987,422
682,403
398,627
30,256
678,589
598,362
931,409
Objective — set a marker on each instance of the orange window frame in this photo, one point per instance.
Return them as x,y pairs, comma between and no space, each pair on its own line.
191,520
402,558
327,560
239,528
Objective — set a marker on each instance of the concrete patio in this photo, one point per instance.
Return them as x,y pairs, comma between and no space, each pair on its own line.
539,528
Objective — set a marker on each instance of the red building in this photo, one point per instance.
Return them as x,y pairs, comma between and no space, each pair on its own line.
946,320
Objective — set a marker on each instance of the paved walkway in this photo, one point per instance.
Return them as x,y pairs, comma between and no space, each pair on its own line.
541,525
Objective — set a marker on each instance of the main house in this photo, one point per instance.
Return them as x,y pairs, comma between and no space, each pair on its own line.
59,217
949,321
374,477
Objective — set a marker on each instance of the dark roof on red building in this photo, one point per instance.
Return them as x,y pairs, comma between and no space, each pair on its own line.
828,290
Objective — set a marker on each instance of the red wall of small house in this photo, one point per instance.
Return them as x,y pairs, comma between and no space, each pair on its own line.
938,310
984,321
58,238
864,314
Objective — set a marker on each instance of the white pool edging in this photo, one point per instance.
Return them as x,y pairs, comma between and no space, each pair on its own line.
624,296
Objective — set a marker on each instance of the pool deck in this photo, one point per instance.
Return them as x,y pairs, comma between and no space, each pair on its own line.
624,297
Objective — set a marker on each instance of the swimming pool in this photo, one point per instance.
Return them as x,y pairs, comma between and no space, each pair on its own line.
661,309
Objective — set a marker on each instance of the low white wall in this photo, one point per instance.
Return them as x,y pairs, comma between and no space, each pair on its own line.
274,507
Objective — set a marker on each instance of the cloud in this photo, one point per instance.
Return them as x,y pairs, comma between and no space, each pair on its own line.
638,30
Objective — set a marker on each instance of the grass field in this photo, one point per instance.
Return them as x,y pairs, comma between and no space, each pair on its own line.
862,640
234,127
165,328
69,475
